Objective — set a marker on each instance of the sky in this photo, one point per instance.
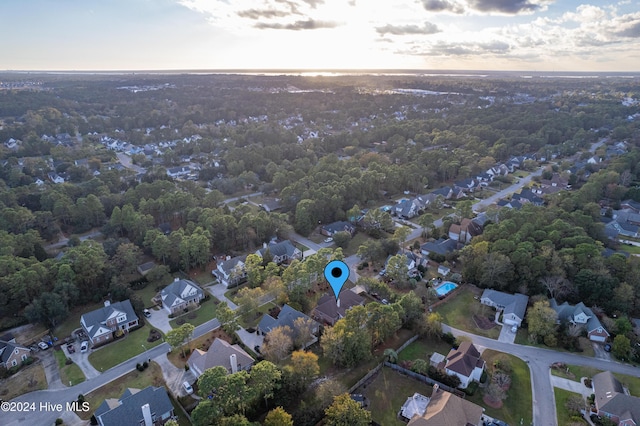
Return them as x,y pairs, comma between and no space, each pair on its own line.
522,35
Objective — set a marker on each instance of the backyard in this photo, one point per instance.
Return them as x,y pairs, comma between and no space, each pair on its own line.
516,408
73,320
388,392
423,348
564,417
70,374
28,379
114,353
458,311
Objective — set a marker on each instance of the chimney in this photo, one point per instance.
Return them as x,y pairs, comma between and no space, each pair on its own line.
107,303
264,245
234,363
176,279
146,414
436,388
338,302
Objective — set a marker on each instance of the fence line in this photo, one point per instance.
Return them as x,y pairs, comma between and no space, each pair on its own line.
365,378
424,379
407,343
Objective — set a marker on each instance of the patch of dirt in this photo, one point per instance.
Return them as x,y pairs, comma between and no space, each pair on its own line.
491,403
483,323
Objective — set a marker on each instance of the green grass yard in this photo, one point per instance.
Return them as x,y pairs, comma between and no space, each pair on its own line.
458,310
114,353
423,348
518,404
563,414
204,313
577,371
73,320
355,243
388,392
71,374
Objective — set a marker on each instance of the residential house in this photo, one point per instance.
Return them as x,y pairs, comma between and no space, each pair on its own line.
146,267
12,354
55,178
624,222
332,228
425,201
441,246
286,317
231,272
630,204
484,178
464,362
415,405
443,270
613,402
467,185
181,294
498,170
513,204
446,192
180,171
513,306
101,324
447,409
465,231
528,196
221,353
407,209
412,261
329,310
282,252
271,204
150,406
580,316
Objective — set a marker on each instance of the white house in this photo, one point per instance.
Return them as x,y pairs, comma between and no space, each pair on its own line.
465,363
513,306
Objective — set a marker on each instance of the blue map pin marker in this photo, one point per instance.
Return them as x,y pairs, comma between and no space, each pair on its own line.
337,273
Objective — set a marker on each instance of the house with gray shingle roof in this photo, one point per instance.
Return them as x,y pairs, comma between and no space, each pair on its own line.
147,407
441,246
231,272
513,306
12,354
282,252
342,226
232,357
580,316
286,317
181,294
101,324
613,402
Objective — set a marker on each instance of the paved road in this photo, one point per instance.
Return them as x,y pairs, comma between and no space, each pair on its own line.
480,205
539,359
125,160
231,200
62,396
64,240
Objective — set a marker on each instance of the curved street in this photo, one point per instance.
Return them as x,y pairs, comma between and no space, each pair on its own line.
539,360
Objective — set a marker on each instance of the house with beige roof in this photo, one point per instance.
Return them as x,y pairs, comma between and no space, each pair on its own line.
446,409
232,357
614,402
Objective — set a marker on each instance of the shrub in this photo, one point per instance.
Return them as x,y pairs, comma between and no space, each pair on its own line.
59,421
94,421
145,365
449,338
365,264
471,389
81,398
186,367
139,367
68,361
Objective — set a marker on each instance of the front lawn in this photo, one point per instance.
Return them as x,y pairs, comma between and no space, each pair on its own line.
388,392
564,417
204,313
114,353
71,374
28,379
577,371
458,310
518,405
152,376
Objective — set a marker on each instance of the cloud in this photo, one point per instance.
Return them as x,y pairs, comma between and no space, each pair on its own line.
262,13
427,28
632,30
309,24
442,6
511,7
461,49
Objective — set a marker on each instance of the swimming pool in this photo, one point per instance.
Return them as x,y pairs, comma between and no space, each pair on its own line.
445,288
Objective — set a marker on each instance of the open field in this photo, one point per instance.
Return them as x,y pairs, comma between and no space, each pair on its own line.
518,404
114,353
71,374
387,393
561,399
458,310
28,379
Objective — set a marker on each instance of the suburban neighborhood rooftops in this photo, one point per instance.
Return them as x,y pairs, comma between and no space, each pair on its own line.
180,290
95,321
219,354
286,317
464,359
127,411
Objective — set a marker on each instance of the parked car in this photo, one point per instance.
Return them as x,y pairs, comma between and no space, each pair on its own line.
70,348
84,346
146,313
384,301
328,240
43,346
607,347
187,388
514,329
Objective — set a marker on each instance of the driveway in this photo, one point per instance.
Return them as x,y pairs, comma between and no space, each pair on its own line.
570,385
506,335
218,291
51,370
600,353
82,361
159,319
174,376
251,340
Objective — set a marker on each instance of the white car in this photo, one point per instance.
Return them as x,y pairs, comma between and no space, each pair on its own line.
43,346
146,313
84,346
328,240
187,388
